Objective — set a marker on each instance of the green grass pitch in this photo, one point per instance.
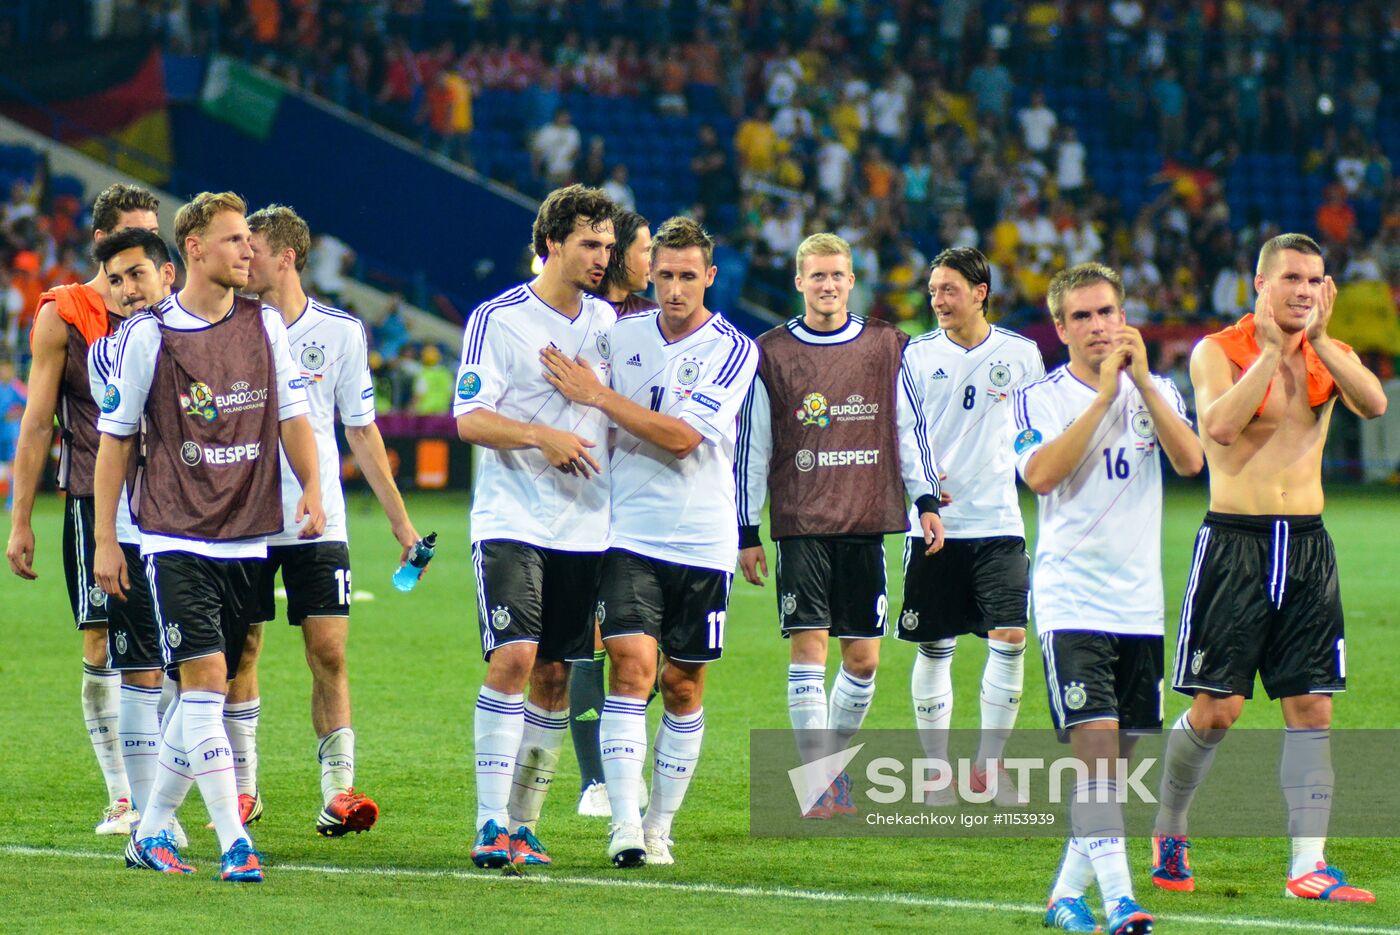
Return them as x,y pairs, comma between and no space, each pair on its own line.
415,669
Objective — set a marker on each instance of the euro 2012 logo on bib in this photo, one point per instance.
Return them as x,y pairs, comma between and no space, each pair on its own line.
814,411
111,399
199,401
468,386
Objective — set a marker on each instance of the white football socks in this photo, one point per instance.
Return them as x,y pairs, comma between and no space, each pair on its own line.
932,687
622,735
1076,872
101,710
1002,681
806,696
677,754
500,723
535,763
138,727
1097,819
850,702
241,725
336,754
173,776
1305,772
202,717
1185,762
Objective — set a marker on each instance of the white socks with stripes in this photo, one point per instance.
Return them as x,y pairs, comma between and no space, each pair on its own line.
1076,872
211,759
241,724
850,701
500,724
1002,681
336,754
139,730
1097,820
535,763
806,696
101,710
1185,762
622,735
932,687
173,776
677,754
1305,772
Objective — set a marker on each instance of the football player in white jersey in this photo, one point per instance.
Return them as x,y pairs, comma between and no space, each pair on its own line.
331,353
679,377
955,404
140,274
1086,441
539,522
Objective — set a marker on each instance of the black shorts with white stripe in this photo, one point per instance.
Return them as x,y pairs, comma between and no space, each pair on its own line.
832,583
682,607
201,606
89,601
525,593
1091,675
1262,597
968,586
133,642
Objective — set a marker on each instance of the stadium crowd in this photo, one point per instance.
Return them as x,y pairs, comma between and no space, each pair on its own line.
907,127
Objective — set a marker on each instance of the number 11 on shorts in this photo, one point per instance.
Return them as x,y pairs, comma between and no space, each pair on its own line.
716,622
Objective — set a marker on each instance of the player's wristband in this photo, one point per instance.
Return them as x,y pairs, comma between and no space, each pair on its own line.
748,537
928,503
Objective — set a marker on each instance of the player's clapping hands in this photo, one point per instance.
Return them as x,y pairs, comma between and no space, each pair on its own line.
1266,330
1130,339
1321,314
1120,357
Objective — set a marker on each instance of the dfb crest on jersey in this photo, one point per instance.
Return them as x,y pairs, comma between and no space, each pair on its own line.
191,454
604,346
500,618
600,613
805,460
172,636
1197,658
97,597
313,357
120,641
1000,374
1143,424
789,604
199,401
688,373
813,411
909,620
1075,696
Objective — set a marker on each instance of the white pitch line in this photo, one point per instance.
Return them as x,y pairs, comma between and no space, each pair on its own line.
716,889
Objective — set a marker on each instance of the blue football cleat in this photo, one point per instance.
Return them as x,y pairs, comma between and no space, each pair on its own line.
526,849
1128,918
241,863
1071,914
157,852
841,801
492,848
1171,867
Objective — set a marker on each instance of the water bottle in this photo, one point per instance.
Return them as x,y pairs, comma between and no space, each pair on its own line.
418,558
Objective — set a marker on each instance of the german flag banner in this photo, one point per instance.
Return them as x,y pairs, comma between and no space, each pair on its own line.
107,100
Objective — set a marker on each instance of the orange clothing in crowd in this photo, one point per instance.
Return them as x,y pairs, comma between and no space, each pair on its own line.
267,20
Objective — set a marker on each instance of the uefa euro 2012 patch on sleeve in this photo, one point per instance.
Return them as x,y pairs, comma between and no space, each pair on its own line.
468,386
1028,439
111,399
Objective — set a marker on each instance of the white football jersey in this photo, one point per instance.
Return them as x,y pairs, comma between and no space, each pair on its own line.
133,354
680,510
955,402
332,355
99,369
518,494
1098,552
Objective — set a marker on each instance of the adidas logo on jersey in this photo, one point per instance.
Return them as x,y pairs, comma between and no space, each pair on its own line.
939,374
635,360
